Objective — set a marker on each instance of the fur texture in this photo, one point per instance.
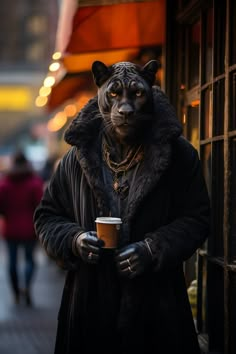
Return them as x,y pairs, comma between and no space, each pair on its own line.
168,204
83,133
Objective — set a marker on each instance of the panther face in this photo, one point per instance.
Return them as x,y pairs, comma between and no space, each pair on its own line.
125,97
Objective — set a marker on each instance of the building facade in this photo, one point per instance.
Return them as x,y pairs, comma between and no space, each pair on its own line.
201,49
27,39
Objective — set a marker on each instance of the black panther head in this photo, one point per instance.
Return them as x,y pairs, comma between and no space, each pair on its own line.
125,97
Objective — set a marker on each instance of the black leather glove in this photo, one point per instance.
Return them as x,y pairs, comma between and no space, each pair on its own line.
134,259
88,246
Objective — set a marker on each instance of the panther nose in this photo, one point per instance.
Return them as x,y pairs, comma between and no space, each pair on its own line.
126,109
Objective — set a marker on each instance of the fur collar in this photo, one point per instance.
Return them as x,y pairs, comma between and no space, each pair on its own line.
84,128
84,134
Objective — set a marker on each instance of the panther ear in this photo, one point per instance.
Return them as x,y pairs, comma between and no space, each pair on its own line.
100,72
149,71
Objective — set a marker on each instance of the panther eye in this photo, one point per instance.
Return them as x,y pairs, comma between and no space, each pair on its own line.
138,93
113,94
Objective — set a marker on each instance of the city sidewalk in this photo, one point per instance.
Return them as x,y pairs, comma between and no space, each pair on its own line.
30,330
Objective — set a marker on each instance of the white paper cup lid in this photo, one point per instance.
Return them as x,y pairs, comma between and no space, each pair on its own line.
108,220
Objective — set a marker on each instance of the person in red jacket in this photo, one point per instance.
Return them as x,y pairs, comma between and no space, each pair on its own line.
20,191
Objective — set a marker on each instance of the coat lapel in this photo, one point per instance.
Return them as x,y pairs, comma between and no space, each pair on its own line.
156,162
90,162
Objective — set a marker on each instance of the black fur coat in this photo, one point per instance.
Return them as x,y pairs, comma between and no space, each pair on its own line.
99,311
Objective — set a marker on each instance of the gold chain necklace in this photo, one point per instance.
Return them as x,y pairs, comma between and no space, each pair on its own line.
133,157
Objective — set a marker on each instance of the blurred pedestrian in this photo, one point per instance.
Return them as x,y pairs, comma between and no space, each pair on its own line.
20,192
128,160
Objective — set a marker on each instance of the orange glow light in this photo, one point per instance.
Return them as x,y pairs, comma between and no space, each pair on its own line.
70,110
45,91
57,122
49,81
54,66
56,55
195,103
41,101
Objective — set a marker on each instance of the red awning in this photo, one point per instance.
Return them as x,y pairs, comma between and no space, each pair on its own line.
120,26
108,33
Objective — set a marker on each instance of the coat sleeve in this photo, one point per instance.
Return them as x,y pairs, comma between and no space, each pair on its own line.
54,220
177,241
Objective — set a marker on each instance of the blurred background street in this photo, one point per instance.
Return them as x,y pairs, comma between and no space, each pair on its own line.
30,330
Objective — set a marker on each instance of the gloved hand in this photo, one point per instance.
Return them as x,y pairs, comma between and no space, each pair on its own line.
134,259
88,246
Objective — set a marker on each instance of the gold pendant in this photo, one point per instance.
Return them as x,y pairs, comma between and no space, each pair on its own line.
116,185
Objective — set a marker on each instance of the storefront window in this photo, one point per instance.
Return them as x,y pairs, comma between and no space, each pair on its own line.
207,112
194,54
219,37
232,32
219,96
206,165
215,307
232,313
207,69
216,276
232,243
202,290
233,101
193,126
216,243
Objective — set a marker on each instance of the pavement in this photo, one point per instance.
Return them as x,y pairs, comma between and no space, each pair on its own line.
30,330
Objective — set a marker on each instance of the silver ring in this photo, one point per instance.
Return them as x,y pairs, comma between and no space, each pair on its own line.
90,255
128,261
130,269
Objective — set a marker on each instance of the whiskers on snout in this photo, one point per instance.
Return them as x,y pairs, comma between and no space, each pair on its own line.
130,119
132,127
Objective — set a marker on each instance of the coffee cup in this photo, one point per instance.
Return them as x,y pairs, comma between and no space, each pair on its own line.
108,229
